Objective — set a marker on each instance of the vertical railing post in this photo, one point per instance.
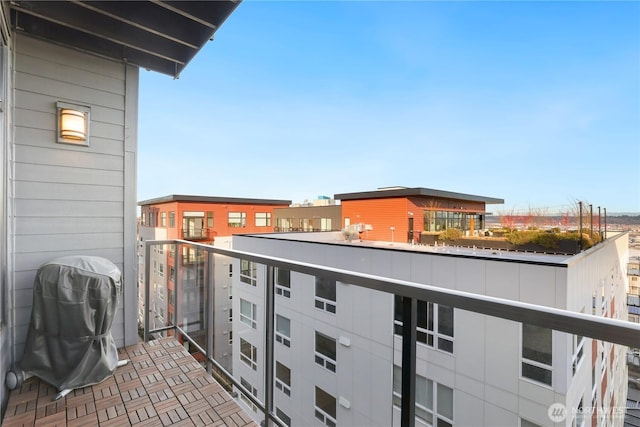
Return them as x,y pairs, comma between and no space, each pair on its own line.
175,290
147,273
409,325
178,285
269,345
210,272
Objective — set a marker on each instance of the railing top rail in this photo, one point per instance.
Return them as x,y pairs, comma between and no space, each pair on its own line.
601,328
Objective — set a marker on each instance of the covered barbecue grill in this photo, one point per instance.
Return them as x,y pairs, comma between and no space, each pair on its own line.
69,342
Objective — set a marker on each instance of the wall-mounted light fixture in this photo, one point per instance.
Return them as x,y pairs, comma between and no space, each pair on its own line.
73,123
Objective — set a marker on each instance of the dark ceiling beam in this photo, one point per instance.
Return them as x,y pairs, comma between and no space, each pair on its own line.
153,18
88,42
210,13
72,16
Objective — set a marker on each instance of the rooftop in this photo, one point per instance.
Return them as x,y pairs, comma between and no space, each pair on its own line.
337,238
161,385
417,191
212,199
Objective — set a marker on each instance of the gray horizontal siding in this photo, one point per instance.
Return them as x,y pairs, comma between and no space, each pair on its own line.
68,225
47,121
61,174
69,200
30,136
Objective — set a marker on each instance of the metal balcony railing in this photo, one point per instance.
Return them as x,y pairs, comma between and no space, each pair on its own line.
580,324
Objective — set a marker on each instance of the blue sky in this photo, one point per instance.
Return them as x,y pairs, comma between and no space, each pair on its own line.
537,103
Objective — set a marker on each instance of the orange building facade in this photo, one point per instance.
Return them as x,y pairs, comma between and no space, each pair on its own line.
411,214
201,218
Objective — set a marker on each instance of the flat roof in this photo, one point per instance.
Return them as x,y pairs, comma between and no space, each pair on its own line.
212,199
336,238
417,191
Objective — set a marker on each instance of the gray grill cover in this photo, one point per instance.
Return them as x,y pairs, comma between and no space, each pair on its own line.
69,342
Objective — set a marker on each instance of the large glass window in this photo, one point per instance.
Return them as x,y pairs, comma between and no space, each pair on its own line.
283,417
325,407
537,353
248,354
326,294
283,378
248,313
163,219
325,351
248,272
283,282
237,219
263,219
434,401
172,219
434,324
246,384
283,330
210,219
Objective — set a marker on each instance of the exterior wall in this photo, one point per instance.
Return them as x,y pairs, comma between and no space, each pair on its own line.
382,214
220,217
6,263
597,283
68,199
484,369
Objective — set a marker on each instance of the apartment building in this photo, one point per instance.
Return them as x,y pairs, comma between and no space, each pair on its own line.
203,219
338,347
404,214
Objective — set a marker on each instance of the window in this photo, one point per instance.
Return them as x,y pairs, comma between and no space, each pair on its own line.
163,219
326,294
263,219
283,282
210,219
536,353
434,324
283,330
283,378
248,313
230,315
325,407
248,354
230,337
246,384
172,273
434,401
161,270
283,417
172,219
248,272
325,351
237,219
143,220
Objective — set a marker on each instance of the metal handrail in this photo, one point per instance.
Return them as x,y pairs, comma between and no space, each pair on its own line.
582,324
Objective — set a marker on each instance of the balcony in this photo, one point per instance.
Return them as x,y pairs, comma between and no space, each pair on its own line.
162,385
195,233
248,344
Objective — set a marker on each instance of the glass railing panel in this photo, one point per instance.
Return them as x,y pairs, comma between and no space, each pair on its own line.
338,350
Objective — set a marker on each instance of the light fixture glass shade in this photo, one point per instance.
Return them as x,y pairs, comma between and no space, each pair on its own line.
73,124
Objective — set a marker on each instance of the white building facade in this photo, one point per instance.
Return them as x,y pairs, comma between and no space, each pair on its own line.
336,352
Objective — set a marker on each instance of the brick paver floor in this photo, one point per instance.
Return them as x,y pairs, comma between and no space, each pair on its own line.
162,385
